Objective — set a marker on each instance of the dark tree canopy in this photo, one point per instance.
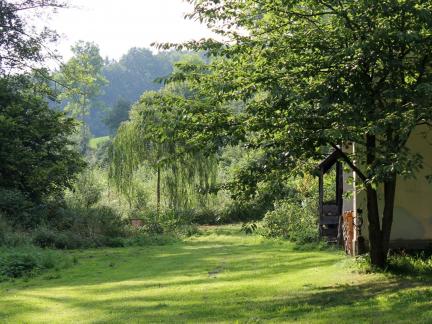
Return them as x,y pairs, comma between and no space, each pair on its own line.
118,114
36,155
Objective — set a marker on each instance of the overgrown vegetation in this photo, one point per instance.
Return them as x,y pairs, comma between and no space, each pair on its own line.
30,261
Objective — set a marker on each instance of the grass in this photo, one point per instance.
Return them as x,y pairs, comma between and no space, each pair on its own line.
220,276
95,142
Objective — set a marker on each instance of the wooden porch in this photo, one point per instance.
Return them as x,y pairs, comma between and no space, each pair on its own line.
330,211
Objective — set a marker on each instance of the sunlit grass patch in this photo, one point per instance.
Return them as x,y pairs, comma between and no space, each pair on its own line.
222,275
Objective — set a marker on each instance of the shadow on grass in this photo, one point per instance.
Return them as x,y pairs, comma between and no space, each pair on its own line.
218,280
340,304
191,259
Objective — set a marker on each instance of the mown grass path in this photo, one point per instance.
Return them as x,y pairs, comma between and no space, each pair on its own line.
219,277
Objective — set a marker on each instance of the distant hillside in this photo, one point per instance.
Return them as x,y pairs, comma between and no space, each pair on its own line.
128,78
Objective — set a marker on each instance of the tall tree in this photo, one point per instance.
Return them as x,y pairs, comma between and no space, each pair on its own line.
155,136
35,152
36,158
82,81
319,73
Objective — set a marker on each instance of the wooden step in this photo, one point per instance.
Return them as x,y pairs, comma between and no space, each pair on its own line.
329,234
329,220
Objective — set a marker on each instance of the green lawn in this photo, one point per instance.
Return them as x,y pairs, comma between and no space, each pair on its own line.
219,277
95,142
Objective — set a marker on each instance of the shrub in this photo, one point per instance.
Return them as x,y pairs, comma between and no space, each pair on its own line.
91,222
10,237
292,220
188,230
44,237
16,265
153,228
28,261
16,239
103,221
87,191
48,238
113,242
249,228
417,264
16,208
411,263
4,228
205,216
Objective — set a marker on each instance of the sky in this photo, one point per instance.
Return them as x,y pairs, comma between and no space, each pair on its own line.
116,26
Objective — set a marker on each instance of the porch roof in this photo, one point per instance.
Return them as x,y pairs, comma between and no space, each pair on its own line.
329,161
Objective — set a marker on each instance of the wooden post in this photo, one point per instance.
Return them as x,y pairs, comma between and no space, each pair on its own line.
348,231
339,200
355,238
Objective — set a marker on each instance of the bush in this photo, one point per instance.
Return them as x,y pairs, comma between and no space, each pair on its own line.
16,208
48,238
21,214
15,239
83,228
4,229
87,191
205,216
17,265
113,242
243,211
403,263
91,222
10,237
249,228
161,229
411,263
293,220
188,230
99,221
23,262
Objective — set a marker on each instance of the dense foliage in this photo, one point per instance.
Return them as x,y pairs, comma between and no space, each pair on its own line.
154,135
316,74
81,81
29,261
35,153
118,114
294,217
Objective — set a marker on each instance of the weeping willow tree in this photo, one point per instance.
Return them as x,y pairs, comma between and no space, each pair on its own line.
155,136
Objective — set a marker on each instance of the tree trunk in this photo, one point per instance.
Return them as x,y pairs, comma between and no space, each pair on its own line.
389,200
378,254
